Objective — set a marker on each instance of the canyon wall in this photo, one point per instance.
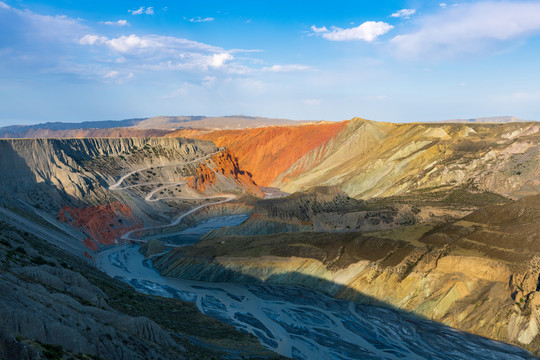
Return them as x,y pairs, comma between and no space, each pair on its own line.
66,182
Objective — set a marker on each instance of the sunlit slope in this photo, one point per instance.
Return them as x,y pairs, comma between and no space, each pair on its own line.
503,158
367,158
267,152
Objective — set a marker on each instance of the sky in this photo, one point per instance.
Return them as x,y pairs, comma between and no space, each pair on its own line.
399,61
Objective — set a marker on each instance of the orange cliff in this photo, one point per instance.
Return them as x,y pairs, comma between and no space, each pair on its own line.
226,164
103,223
266,152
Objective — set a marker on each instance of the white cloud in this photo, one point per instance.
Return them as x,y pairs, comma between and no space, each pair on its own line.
62,45
368,31
199,19
155,53
142,10
117,23
131,43
208,81
117,76
218,60
443,5
137,12
319,30
469,29
286,68
154,44
404,13
92,39
25,27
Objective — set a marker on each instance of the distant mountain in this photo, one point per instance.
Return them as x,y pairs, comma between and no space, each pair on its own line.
490,119
84,133
203,122
162,123
104,124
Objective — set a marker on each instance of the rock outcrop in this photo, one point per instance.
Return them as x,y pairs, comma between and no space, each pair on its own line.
104,223
222,165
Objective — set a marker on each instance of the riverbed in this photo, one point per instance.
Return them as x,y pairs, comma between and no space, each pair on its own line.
193,234
305,324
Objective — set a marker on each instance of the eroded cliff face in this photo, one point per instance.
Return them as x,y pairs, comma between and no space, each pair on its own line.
479,273
70,169
68,182
104,223
502,158
266,152
224,165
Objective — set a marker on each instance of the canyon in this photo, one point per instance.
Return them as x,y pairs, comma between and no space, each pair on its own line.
437,220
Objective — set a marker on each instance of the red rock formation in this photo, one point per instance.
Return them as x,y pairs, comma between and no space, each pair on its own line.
103,223
226,164
268,151
205,177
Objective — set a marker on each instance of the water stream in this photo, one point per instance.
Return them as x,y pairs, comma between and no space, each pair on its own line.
301,323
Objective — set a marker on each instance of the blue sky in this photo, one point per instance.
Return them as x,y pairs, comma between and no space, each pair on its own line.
308,60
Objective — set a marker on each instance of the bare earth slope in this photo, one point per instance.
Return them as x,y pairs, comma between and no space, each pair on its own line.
269,151
367,158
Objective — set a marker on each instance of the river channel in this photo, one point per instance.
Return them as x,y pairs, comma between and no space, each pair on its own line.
301,323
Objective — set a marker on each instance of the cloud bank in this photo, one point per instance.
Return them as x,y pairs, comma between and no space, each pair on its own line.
404,13
469,29
116,23
142,10
368,31
198,19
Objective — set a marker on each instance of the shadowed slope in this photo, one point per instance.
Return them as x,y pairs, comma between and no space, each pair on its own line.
472,274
